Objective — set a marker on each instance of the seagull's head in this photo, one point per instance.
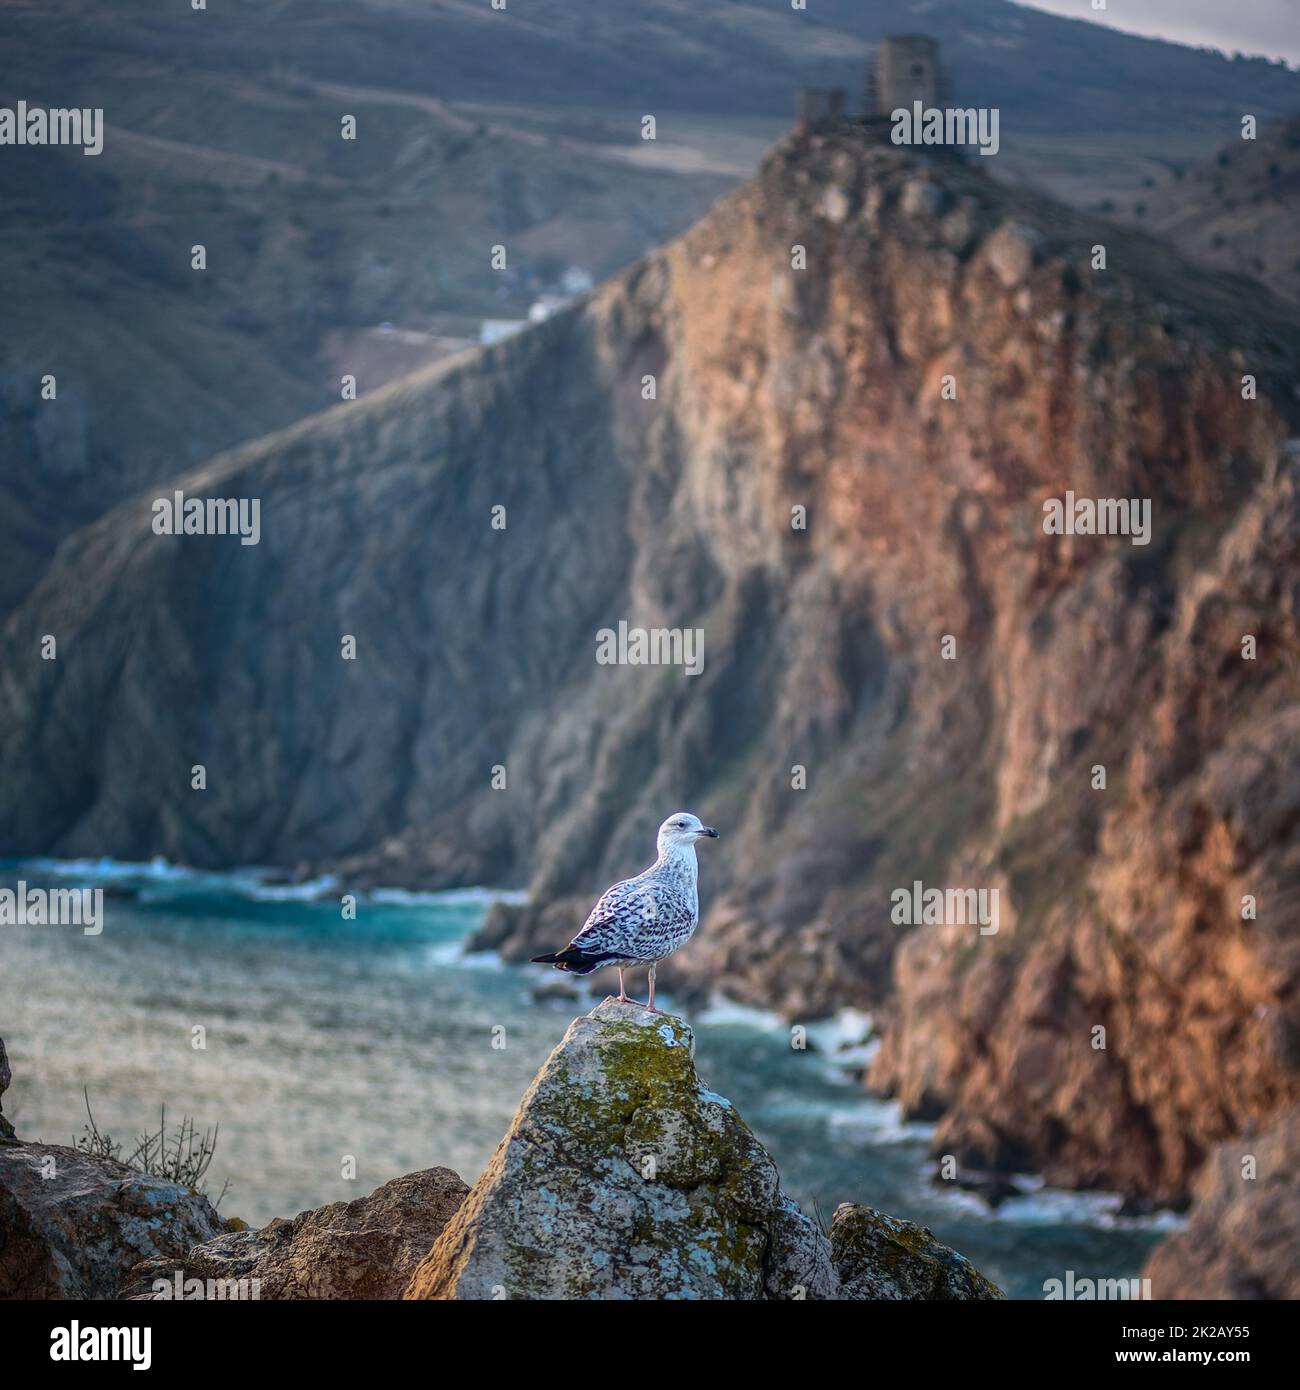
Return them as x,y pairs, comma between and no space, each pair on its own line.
681,829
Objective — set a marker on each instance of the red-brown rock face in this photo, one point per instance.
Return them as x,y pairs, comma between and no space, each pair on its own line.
1125,908
1243,1239
917,685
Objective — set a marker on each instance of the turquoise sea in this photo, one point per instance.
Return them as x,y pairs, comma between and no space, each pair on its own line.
381,1041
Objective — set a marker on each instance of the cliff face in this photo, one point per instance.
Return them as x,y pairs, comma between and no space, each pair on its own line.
1243,1239
947,360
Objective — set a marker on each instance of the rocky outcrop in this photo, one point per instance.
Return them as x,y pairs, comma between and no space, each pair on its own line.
883,1257
72,1225
869,373
623,1177
7,1134
364,1249
1243,1238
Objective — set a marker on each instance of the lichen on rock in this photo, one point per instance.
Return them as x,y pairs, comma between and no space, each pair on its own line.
623,1177
883,1257
363,1249
73,1224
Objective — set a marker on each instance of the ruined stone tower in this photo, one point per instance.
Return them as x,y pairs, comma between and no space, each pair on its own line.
906,69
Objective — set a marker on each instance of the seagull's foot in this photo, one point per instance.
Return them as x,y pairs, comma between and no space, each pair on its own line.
650,1008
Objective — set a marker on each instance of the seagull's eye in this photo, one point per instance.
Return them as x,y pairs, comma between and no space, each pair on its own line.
681,825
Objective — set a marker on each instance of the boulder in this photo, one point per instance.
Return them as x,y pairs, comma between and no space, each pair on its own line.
1243,1237
72,1224
7,1135
623,1177
1012,251
883,1257
363,1249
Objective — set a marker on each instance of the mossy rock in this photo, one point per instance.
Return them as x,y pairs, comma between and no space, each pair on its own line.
884,1257
623,1177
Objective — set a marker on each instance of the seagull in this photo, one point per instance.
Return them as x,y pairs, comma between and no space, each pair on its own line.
643,919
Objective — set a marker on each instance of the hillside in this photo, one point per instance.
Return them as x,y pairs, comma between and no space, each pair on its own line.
220,135
475,128
776,388
1237,211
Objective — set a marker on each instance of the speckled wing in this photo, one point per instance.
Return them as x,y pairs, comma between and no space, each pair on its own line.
638,919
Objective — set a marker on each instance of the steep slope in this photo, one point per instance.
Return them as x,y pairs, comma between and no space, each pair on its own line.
212,140
1243,1237
1237,211
824,648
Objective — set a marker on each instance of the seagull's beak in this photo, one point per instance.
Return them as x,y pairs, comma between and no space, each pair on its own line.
709,831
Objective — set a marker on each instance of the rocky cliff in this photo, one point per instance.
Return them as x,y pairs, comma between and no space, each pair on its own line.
820,428
1243,1238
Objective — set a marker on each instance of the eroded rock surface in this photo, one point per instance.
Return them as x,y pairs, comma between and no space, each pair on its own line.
364,1249
884,1257
1243,1237
73,1225
623,1177
947,360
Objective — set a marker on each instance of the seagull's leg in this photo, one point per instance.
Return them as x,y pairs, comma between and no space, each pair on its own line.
622,988
651,1004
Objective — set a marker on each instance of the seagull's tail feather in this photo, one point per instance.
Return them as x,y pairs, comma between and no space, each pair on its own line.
575,960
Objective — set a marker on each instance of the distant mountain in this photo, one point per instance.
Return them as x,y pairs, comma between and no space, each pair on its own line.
921,686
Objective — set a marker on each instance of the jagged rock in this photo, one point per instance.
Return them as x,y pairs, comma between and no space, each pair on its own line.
6,1076
72,1225
836,204
364,1249
921,198
883,1257
1012,251
989,1033
621,1176
1243,1237
957,229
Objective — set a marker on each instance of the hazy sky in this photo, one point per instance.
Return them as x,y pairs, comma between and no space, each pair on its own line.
1271,27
